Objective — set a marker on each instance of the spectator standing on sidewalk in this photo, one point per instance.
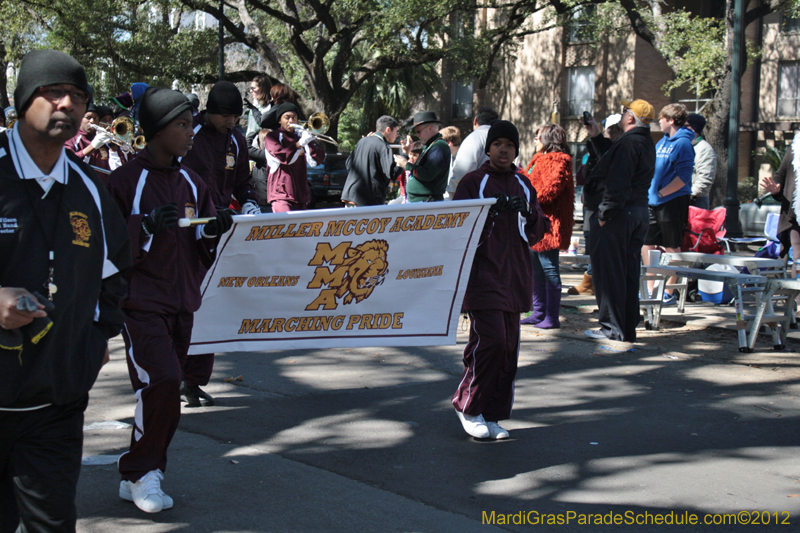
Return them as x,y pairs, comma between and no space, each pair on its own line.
371,166
551,177
616,207
671,189
428,179
705,163
472,152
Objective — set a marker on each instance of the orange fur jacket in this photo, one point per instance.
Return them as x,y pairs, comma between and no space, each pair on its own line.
551,176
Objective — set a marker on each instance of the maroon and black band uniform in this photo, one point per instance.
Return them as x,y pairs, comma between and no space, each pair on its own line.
222,161
287,186
164,293
500,287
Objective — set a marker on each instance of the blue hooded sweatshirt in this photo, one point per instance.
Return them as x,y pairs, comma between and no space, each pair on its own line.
674,157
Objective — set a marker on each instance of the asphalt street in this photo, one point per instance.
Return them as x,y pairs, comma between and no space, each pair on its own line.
676,426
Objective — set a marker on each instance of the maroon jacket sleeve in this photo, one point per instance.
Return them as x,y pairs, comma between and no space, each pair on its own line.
316,151
121,186
536,223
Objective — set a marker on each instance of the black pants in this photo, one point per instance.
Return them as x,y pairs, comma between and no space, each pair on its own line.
40,461
616,253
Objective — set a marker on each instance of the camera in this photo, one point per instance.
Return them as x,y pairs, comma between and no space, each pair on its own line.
586,118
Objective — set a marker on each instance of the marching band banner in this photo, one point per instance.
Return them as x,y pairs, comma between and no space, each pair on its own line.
369,276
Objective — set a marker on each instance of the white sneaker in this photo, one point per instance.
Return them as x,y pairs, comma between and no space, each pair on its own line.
474,425
497,432
146,493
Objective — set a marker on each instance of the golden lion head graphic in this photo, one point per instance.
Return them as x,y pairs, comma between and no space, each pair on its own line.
366,267
81,228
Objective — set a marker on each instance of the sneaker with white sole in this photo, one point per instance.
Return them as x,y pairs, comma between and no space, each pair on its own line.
146,493
496,432
669,299
474,425
595,334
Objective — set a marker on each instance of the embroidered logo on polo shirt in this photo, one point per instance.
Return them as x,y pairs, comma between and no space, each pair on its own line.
189,211
8,225
80,225
230,161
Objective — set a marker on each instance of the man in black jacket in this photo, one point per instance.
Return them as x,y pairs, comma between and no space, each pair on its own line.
616,207
60,235
371,166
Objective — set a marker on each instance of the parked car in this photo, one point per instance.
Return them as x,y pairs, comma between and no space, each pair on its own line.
326,181
753,215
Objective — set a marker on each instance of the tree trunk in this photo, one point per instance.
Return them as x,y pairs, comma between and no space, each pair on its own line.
4,102
716,133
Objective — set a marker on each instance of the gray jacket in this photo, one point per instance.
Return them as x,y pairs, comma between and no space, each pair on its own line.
470,156
705,167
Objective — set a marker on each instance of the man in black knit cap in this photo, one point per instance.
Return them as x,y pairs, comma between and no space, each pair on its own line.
61,236
153,191
220,157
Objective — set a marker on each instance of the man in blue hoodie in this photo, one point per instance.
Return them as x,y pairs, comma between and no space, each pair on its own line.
671,189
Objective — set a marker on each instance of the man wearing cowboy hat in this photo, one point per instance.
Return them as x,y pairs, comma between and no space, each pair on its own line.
428,179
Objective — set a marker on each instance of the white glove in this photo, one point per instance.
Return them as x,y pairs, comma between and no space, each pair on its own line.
251,208
305,138
101,138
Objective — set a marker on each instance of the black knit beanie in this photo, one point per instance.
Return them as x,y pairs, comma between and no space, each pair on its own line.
194,100
104,110
159,107
91,108
224,99
272,118
697,122
40,68
502,129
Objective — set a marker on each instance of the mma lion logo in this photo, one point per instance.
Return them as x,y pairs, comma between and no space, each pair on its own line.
189,212
80,225
230,161
357,272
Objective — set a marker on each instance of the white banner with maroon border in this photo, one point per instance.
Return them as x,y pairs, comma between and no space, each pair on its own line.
369,276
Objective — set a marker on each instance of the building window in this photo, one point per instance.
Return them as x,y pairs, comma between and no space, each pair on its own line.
462,100
789,90
580,90
790,24
580,27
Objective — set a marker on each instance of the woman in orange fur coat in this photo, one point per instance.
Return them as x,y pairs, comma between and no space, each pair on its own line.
550,173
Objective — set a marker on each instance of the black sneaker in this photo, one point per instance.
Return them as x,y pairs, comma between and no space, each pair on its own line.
194,396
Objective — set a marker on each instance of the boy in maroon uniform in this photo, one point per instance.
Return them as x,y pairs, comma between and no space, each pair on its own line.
219,154
285,148
500,284
220,157
90,144
153,191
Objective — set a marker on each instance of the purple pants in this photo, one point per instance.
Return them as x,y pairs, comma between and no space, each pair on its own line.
155,346
490,365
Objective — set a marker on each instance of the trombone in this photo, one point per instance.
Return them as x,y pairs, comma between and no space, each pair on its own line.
317,124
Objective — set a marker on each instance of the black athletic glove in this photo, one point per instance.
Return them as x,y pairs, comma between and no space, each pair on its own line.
219,225
161,218
221,208
519,204
501,204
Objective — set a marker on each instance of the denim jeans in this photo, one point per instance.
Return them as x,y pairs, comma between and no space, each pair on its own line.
545,268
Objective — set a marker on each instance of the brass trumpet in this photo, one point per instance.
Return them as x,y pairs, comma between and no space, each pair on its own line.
123,131
318,125
139,143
